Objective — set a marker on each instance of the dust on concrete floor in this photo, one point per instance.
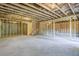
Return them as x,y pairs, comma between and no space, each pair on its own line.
38,46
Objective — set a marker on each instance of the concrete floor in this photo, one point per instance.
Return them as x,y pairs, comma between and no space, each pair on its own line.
39,45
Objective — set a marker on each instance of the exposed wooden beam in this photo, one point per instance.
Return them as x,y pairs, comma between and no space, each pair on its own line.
40,10
11,12
60,9
32,10
72,9
49,9
18,10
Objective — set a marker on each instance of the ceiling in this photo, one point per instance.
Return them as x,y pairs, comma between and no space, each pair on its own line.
40,11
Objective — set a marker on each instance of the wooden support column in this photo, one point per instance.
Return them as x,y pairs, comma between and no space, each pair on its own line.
70,28
54,29
47,28
51,26
75,22
0,27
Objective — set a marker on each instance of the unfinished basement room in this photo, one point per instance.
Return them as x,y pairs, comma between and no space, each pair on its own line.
39,29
